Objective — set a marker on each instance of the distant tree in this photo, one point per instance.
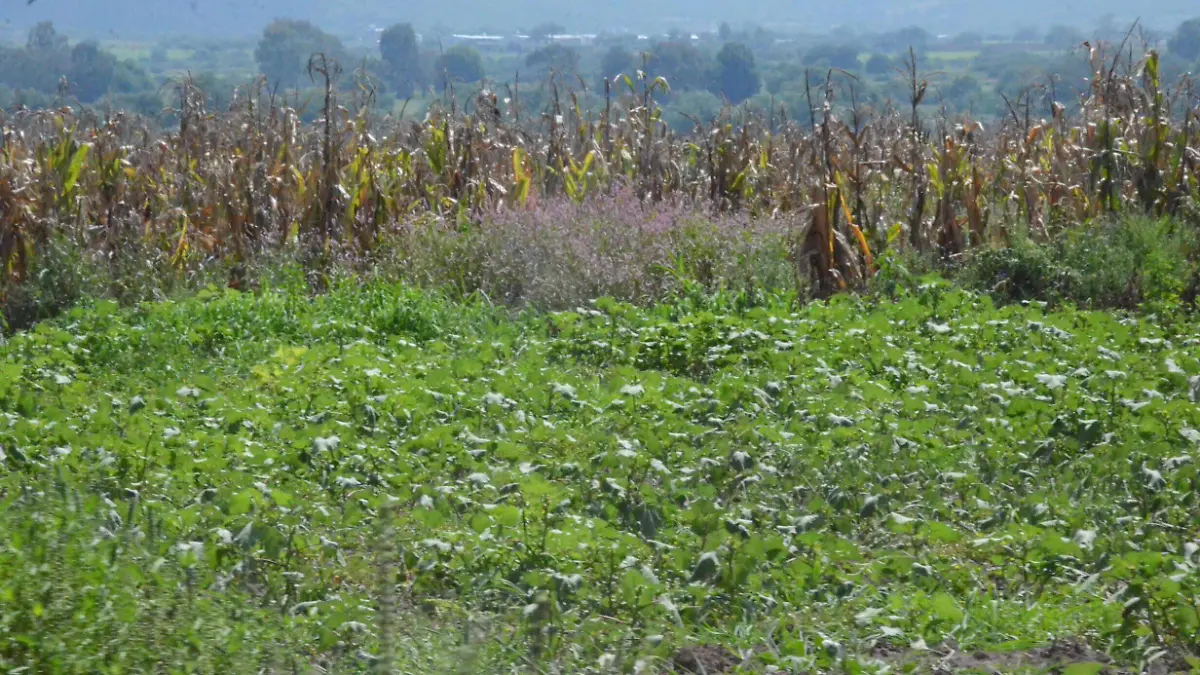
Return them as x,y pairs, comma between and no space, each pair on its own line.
431,65
131,79
553,58
837,56
543,31
40,65
92,71
683,66
1018,77
401,59
901,40
780,76
287,45
1059,36
1185,43
696,105
725,32
461,63
617,61
216,89
879,64
143,102
736,75
28,98
43,39
963,91
15,70
1027,34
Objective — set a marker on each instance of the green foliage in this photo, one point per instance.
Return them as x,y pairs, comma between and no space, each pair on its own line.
1063,37
461,63
42,63
92,71
617,61
879,64
1019,272
221,191
556,59
685,61
735,75
1131,262
965,93
287,45
89,73
689,107
44,39
275,482
401,59
830,55
1128,262
683,65
1185,43
130,78
897,41
139,102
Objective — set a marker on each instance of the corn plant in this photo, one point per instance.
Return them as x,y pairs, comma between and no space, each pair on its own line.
222,188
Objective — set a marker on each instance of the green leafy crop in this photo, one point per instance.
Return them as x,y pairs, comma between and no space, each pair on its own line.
379,478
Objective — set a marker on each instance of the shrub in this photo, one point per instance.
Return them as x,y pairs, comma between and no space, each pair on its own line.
1022,271
1124,263
1131,261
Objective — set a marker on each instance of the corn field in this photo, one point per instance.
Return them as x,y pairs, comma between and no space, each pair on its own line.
848,181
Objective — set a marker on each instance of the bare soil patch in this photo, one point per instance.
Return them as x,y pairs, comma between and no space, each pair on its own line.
1053,658
705,660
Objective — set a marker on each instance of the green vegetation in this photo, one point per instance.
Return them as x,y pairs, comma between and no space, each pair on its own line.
47,64
401,59
1130,263
1186,40
460,64
409,67
646,362
736,74
102,204
287,47
244,482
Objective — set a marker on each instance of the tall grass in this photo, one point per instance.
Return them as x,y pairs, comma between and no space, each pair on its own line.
553,207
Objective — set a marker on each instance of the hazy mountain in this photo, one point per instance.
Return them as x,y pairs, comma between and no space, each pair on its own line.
145,18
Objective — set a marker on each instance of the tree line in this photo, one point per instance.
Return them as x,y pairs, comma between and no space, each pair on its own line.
702,74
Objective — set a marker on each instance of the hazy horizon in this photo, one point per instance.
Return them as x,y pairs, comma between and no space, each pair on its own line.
134,19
